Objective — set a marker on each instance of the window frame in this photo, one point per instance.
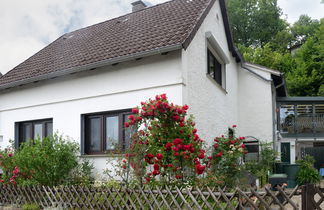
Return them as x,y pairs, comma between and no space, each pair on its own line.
217,61
19,129
85,148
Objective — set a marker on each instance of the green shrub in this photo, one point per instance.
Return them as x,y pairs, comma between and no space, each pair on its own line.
82,174
46,162
307,173
32,206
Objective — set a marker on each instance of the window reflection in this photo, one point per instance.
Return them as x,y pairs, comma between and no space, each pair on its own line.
287,118
305,119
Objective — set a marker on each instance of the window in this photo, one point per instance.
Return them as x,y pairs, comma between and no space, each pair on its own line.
105,132
33,129
215,68
253,149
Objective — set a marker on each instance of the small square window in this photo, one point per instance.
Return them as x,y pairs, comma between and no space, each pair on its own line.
105,132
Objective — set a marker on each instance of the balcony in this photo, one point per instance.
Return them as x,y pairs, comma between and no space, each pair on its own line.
300,117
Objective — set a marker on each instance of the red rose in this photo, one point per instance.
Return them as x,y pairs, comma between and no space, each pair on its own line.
215,146
177,141
139,118
150,156
135,110
163,96
234,126
176,154
148,179
170,165
210,157
168,146
201,156
181,124
194,130
159,156
242,145
156,172
200,169
131,117
186,157
10,154
156,167
185,107
126,124
175,149
220,154
175,117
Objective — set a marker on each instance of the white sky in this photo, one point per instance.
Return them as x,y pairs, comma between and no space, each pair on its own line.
29,25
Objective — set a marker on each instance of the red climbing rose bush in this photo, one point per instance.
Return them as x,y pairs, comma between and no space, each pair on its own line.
226,159
165,147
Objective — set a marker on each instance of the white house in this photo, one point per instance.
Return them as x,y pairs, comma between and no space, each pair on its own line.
85,82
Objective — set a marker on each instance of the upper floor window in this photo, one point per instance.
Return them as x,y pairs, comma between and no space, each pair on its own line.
33,129
105,132
215,68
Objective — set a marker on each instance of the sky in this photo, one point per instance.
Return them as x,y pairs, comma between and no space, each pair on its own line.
28,26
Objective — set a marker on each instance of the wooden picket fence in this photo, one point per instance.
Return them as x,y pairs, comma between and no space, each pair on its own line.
81,197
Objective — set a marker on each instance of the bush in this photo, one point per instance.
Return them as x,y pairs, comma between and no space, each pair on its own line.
264,164
166,147
49,161
225,165
307,173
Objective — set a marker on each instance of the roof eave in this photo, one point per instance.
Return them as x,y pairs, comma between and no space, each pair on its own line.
92,66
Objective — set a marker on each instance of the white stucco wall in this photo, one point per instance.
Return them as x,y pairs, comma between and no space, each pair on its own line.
110,88
214,108
255,105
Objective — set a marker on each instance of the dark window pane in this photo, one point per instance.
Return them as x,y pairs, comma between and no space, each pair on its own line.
94,134
211,64
49,128
112,132
287,118
26,132
38,130
218,72
214,68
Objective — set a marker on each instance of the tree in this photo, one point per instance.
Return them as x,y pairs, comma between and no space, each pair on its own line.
254,22
304,28
308,77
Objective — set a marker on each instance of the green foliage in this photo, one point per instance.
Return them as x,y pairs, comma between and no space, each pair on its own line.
30,207
254,22
265,39
48,161
307,173
303,28
264,165
82,174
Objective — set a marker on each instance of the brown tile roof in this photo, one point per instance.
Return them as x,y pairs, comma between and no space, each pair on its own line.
173,23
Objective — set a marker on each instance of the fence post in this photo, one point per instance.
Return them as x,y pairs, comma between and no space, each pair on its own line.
308,193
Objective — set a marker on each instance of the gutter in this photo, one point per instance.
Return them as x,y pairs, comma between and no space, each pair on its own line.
98,64
256,74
